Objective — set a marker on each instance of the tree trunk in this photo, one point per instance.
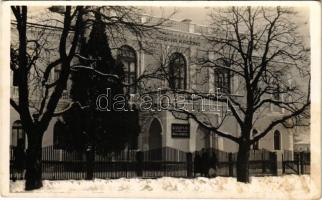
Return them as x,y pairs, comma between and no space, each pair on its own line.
33,162
90,156
243,163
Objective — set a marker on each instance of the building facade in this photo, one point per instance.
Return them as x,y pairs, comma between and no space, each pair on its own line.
176,47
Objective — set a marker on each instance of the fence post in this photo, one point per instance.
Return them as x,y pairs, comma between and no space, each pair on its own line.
89,163
139,163
283,163
302,162
273,159
189,164
263,162
231,164
278,163
298,164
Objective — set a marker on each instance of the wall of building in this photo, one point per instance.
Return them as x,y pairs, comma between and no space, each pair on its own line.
229,126
48,138
190,45
267,142
178,143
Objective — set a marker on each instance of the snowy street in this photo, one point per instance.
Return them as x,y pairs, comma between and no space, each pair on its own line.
285,187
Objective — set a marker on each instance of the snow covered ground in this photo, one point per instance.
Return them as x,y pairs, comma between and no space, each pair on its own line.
284,187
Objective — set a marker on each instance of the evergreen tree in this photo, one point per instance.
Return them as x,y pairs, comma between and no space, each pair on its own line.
105,130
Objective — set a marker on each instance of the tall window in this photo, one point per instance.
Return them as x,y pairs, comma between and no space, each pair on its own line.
18,134
177,71
127,56
255,145
56,74
222,77
277,92
277,140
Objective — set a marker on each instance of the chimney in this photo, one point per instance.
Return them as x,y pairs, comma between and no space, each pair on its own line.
191,27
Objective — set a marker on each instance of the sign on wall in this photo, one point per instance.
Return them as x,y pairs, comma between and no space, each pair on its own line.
180,130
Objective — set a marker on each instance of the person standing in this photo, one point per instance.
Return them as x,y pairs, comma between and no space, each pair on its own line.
204,163
197,164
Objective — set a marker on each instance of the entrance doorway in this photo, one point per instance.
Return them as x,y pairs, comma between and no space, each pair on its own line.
155,137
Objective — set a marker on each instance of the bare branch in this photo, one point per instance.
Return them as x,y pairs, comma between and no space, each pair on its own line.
14,105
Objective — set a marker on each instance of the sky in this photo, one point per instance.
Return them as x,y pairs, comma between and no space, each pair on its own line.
181,12
199,15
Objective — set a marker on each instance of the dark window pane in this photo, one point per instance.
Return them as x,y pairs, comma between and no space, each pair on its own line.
125,66
177,71
255,145
18,134
222,76
222,80
128,57
277,140
132,67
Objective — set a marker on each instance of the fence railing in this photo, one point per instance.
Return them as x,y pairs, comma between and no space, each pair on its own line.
61,164
300,164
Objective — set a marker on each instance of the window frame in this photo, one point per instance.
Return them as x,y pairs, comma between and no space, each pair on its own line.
177,79
225,83
127,60
277,145
20,133
255,145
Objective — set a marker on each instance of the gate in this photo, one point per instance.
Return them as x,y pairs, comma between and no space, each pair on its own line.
300,164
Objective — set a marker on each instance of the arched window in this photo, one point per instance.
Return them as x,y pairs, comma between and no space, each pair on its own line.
277,140
255,145
127,56
177,71
277,92
18,134
222,76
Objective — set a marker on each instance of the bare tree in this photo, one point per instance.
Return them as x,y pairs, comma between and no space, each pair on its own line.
36,125
31,51
262,50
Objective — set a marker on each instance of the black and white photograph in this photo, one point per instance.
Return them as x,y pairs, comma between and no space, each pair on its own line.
170,100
